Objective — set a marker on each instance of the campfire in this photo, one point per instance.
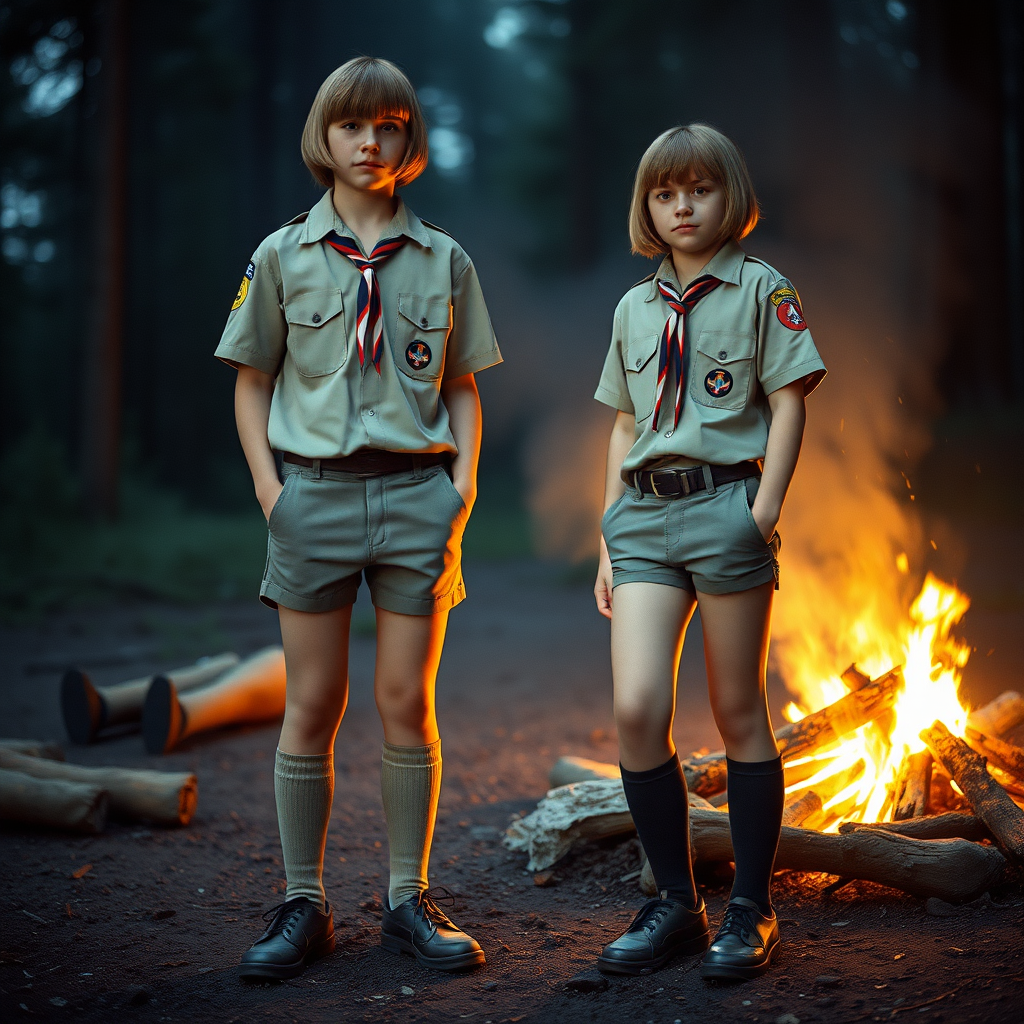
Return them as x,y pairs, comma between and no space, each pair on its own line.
889,777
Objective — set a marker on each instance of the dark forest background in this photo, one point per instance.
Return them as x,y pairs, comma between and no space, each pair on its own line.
147,149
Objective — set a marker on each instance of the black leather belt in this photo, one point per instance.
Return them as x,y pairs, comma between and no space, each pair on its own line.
372,461
677,483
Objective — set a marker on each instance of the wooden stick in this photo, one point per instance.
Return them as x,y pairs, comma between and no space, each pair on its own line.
74,806
34,748
999,716
951,825
913,786
88,709
1006,755
987,798
168,798
801,807
253,691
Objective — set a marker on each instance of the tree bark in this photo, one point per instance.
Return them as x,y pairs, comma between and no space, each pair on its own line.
74,806
34,748
1006,755
951,825
989,801
913,786
999,716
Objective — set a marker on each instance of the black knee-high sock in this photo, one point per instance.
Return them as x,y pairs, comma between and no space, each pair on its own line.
756,796
657,802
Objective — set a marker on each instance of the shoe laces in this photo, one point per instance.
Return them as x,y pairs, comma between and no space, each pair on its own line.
283,917
430,900
650,915
738,920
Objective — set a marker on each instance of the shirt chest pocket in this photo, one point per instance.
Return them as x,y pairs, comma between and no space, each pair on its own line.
723,364
421,334
642,373
317,340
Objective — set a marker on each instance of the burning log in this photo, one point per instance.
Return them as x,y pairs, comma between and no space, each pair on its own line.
168,798
34,748
1007,756
816,731
88,709
74,806
567,770
913,786
802,809
954,870
253,691
952,825
999,716
989,801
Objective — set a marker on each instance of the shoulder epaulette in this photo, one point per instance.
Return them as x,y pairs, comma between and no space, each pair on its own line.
428,224
296,220
643,280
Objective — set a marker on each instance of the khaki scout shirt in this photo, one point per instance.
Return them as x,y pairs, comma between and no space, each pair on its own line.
744,340
294,317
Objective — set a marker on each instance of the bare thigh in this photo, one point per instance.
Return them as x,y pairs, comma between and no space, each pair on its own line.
736,631
408,654
649,623
316,657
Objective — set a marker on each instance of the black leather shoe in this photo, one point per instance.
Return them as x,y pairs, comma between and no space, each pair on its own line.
744,945
662,929
420,928
299,933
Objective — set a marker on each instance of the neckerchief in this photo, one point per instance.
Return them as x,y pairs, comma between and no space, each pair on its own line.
369,320
674,335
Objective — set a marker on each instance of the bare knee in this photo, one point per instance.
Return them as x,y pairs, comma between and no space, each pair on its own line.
405,709
310,727
744,724
643,732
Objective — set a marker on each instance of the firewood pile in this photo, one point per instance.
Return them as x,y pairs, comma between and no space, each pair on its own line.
956,828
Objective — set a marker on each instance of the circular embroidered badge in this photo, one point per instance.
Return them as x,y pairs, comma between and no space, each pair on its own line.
718,383
243,288
418,354
790,315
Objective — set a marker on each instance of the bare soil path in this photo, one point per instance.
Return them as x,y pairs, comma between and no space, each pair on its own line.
152,930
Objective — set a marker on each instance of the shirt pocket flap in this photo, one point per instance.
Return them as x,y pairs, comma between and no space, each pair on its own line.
313,309
724,347
427,314
639,351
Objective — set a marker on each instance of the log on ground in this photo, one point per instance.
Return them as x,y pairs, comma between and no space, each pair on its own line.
168,798
73,806
951,825
989,801
34,748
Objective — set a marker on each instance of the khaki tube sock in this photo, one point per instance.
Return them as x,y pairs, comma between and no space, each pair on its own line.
304,789
410,783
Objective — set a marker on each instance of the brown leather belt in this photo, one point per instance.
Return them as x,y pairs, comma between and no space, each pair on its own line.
372,461
677,483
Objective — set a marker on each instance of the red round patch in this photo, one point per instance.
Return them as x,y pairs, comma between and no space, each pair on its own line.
790,315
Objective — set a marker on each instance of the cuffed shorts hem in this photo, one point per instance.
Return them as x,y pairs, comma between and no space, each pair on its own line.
668,577
402,604
737,583
272,595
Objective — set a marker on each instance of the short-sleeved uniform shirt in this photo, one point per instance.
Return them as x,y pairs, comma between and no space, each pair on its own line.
744,340
295,314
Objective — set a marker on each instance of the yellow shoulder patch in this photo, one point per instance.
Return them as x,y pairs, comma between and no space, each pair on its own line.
243,288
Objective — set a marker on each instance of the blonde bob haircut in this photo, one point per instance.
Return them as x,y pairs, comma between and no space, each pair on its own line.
688,153
364,87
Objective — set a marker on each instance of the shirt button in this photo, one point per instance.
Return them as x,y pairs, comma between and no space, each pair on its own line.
723,354
423,321
316,318
371,413
669,433
638,362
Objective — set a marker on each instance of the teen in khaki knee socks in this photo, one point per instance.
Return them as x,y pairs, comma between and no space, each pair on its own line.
356,333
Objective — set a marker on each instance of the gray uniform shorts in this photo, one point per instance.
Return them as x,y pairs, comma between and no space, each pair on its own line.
704,541
403,530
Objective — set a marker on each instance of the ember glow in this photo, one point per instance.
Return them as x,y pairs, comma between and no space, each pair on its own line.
932,662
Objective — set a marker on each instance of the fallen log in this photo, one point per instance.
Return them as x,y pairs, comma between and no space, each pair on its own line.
999,716
34,748
88,709
73,806
820,729
1006,755
801,809
951,825
168,798
913,786
567,770
253,691
951,869
989,801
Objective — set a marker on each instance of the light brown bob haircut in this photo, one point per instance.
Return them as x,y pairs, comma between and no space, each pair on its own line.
364,87
689,153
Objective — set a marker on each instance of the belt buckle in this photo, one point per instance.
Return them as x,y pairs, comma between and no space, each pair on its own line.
654,486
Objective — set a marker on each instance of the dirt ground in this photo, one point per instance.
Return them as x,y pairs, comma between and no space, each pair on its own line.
153,927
